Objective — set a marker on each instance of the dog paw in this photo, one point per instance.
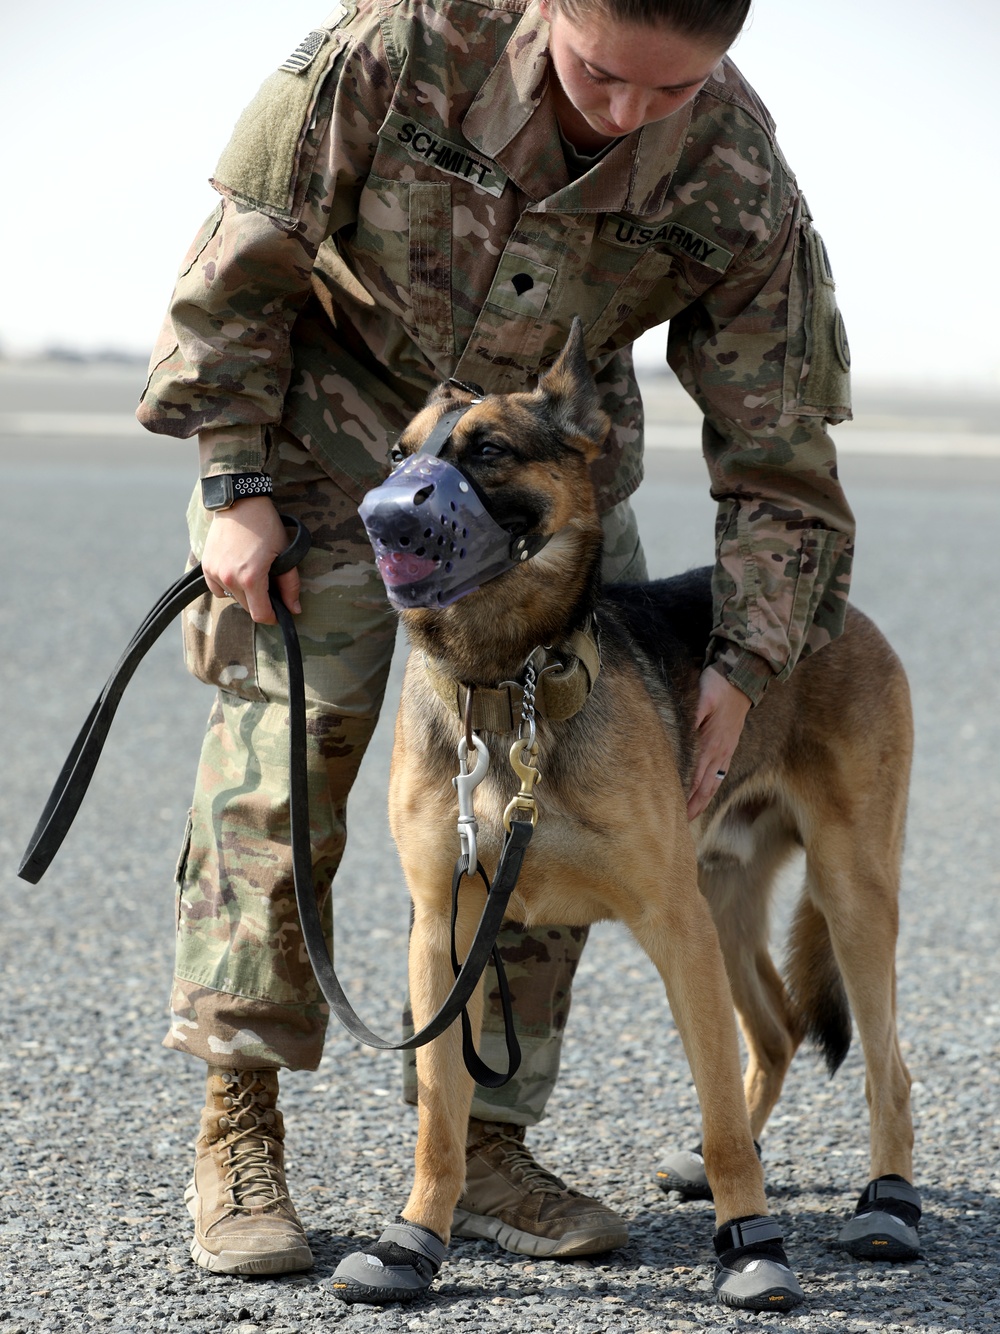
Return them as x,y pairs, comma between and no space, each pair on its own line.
398,1267
751,1269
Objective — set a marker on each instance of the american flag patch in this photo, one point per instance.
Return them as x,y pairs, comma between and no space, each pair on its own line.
305,53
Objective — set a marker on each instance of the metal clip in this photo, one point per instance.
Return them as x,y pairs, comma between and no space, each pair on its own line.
465,784
527,771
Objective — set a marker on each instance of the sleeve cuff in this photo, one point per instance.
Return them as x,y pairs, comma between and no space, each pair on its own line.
747,671
225,449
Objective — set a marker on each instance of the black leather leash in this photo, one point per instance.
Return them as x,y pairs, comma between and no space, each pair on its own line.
74,779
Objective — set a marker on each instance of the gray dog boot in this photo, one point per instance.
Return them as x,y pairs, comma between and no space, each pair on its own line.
396,1268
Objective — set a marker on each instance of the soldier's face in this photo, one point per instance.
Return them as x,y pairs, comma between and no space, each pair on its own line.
615,77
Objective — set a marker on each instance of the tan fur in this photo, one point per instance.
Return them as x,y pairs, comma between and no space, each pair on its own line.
823,764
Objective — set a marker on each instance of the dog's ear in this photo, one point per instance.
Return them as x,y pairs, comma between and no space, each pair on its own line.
452,392
571,395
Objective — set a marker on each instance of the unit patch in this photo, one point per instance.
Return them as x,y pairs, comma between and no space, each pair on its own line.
671,235
455,159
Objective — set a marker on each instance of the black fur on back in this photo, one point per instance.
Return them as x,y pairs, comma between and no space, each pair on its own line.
669,622
664,615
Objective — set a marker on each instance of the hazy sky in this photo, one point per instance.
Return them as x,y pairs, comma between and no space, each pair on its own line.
114,113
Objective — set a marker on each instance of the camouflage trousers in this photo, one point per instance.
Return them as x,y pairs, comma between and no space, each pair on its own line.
244,993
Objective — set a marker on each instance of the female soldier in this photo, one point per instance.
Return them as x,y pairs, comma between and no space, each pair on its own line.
421,192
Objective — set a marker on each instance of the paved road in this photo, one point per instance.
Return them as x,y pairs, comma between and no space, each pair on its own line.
98,1119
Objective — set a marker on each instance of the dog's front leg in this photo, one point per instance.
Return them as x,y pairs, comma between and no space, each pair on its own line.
674,926
444,1087
407,1256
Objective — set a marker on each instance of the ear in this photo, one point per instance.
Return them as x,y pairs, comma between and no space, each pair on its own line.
452,392
571,396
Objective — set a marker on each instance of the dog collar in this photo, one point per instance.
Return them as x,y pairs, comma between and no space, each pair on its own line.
565,680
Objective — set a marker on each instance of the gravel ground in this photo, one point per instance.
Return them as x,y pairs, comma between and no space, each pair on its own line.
99,1120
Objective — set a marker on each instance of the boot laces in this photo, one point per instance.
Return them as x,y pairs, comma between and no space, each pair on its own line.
536,1179
253,1177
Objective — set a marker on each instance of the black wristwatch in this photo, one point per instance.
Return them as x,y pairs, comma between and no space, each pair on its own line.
223,490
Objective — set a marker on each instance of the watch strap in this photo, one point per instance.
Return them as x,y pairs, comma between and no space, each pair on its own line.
222,490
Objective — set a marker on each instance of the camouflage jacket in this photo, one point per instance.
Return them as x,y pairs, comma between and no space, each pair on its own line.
396,209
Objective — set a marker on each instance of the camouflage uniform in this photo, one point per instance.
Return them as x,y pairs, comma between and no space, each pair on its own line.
396,210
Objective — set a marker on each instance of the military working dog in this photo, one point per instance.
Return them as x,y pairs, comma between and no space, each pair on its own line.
822,765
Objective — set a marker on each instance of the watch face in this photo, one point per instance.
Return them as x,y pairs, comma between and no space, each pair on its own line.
217,492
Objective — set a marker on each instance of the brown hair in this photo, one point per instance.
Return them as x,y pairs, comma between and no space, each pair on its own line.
711,20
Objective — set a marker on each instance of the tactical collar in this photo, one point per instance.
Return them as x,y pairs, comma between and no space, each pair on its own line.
565,679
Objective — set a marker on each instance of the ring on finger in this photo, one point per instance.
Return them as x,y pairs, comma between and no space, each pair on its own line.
720,775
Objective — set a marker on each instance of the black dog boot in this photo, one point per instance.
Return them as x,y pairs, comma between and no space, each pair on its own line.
396,1268
751,1269
884,1226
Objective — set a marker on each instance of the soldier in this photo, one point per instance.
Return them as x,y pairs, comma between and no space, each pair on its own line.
421,192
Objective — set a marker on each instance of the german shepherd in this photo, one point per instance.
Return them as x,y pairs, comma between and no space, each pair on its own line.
823,764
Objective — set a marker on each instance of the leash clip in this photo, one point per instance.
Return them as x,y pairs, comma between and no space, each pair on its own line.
465,783
523,805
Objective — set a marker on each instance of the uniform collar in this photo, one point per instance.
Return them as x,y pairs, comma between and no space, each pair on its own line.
512,121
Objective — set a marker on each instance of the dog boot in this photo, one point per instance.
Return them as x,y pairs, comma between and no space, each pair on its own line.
884,1226
396,1268
513,1201
244,1222
751,1268
684,1172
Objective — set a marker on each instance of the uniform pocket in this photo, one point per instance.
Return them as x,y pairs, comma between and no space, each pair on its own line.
217,634
819,552
818,362
430,267
180,870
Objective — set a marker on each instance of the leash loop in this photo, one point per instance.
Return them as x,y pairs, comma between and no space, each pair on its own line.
71,786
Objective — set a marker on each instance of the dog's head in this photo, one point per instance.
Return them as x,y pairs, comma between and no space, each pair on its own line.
483,483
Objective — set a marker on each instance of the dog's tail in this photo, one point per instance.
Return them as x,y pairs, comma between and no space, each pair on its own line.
815,985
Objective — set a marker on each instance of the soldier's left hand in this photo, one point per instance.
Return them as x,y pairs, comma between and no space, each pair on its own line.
722,711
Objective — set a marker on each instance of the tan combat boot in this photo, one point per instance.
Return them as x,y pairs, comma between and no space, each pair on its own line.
244,1222
513,1201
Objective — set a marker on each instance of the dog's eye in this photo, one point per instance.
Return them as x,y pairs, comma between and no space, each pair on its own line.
396,456
489,449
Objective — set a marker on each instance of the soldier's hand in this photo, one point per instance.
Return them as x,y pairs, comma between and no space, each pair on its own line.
241,545
722,711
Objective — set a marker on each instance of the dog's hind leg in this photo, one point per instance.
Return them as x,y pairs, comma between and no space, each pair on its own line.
738,887
852,878
739,896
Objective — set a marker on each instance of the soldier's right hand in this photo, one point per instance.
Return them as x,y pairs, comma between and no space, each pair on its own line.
241,545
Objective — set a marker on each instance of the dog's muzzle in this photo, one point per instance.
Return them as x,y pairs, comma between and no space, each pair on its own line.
434,539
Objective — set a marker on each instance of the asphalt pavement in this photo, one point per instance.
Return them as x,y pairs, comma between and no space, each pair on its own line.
99,1120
